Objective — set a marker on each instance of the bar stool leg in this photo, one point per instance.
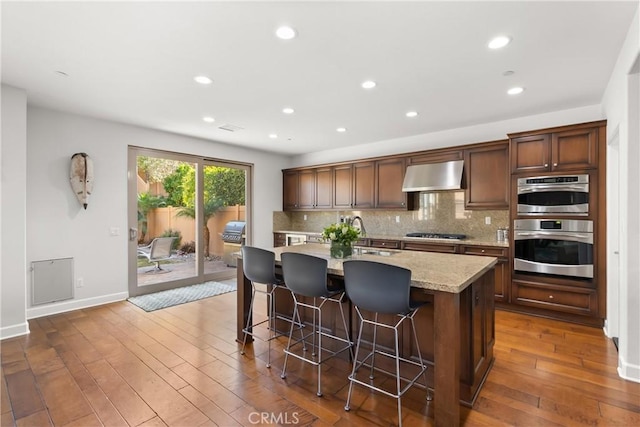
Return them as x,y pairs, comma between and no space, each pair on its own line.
395,331
424,369
319,392
286,355
373,351
249,318
355,363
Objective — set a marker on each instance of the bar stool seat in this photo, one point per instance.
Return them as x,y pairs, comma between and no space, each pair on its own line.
378,288
259,268
306,276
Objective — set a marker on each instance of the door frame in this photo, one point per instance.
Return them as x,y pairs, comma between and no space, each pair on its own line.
132,214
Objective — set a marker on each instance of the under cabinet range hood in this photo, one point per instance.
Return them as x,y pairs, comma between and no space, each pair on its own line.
433,176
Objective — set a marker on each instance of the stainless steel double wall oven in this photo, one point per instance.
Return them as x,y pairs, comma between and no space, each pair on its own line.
547,242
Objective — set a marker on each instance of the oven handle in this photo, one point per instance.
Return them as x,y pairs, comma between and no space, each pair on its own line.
574,237
540,188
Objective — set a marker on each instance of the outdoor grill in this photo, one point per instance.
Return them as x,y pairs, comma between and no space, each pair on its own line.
233,238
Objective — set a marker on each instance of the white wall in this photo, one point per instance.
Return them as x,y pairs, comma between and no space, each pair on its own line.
13,185
56,224
449,138
621,106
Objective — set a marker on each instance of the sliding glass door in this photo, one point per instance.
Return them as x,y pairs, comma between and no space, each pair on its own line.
179,206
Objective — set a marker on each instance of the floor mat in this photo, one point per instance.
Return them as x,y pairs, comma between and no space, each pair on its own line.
164,299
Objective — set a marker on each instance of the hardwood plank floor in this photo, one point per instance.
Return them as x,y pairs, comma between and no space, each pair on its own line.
116,365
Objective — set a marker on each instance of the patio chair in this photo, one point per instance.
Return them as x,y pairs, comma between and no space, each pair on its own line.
158,250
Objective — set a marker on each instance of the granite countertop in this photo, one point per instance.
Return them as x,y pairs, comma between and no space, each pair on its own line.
468,241
434,271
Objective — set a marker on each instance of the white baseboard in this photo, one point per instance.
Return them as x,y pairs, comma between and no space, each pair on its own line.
628,371
14,330
64,306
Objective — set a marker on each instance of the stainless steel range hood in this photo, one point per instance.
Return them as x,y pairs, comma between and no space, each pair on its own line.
434,176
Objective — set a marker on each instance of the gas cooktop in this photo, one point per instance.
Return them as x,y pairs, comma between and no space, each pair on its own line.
438,236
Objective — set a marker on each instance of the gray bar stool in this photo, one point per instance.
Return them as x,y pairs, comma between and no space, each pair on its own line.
306,276
383,289
259,267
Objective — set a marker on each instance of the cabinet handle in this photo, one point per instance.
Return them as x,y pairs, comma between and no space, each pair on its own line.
482,251
546,165
555,164
550,296
402,203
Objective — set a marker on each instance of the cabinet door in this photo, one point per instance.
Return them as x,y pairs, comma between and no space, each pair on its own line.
307,189
290,190
279,239
574,149
530,153
389,179
342,186
363,185
487,177
324,188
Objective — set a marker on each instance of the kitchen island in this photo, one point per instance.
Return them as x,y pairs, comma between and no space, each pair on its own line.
455,329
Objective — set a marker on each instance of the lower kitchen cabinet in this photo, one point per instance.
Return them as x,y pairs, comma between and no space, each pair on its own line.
566,299
279,239
383,243
502,269
430,247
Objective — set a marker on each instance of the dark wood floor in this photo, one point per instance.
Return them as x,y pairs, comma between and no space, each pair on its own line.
116,365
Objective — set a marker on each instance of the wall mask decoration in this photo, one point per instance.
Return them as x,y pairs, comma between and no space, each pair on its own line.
81,177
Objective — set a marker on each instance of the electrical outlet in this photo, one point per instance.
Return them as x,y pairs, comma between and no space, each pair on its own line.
114,231
304,217
79,282
397,218
487,220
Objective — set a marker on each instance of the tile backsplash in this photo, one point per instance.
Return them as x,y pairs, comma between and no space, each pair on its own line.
437,212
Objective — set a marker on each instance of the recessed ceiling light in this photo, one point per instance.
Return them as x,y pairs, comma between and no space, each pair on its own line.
515,90
288,110
62,73
369,84
286,33
499,42
341,130
412,114
273,136
203,80
508,73
208,119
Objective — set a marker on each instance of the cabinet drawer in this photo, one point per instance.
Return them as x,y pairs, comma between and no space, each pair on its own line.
576,301
279,239
379,243
485,251
430,247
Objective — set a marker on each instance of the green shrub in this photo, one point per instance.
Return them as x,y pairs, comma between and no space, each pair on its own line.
188,248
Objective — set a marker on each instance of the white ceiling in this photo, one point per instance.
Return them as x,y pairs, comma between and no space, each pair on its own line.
135,63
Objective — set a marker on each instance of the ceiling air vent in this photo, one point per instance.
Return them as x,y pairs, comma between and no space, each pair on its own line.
230,128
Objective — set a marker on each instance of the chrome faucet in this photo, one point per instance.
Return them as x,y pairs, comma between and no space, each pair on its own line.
360,225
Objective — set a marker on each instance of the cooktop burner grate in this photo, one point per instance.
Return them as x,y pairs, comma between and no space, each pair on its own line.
438,236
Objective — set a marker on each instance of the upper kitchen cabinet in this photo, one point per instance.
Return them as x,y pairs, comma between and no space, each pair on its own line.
290,190
559,149
435,156
353,186
307,189
389,175
487,176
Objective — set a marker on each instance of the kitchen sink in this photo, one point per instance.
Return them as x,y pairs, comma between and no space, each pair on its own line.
373,251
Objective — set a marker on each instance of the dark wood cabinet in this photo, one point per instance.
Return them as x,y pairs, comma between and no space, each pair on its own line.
316,187
487,176
353,186
502,268
435,156
389,176
384,243
571,148
290,190
430,247
567,299
279,239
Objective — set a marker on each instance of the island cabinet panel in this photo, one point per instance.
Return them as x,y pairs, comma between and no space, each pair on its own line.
389,178
502,269
487,176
